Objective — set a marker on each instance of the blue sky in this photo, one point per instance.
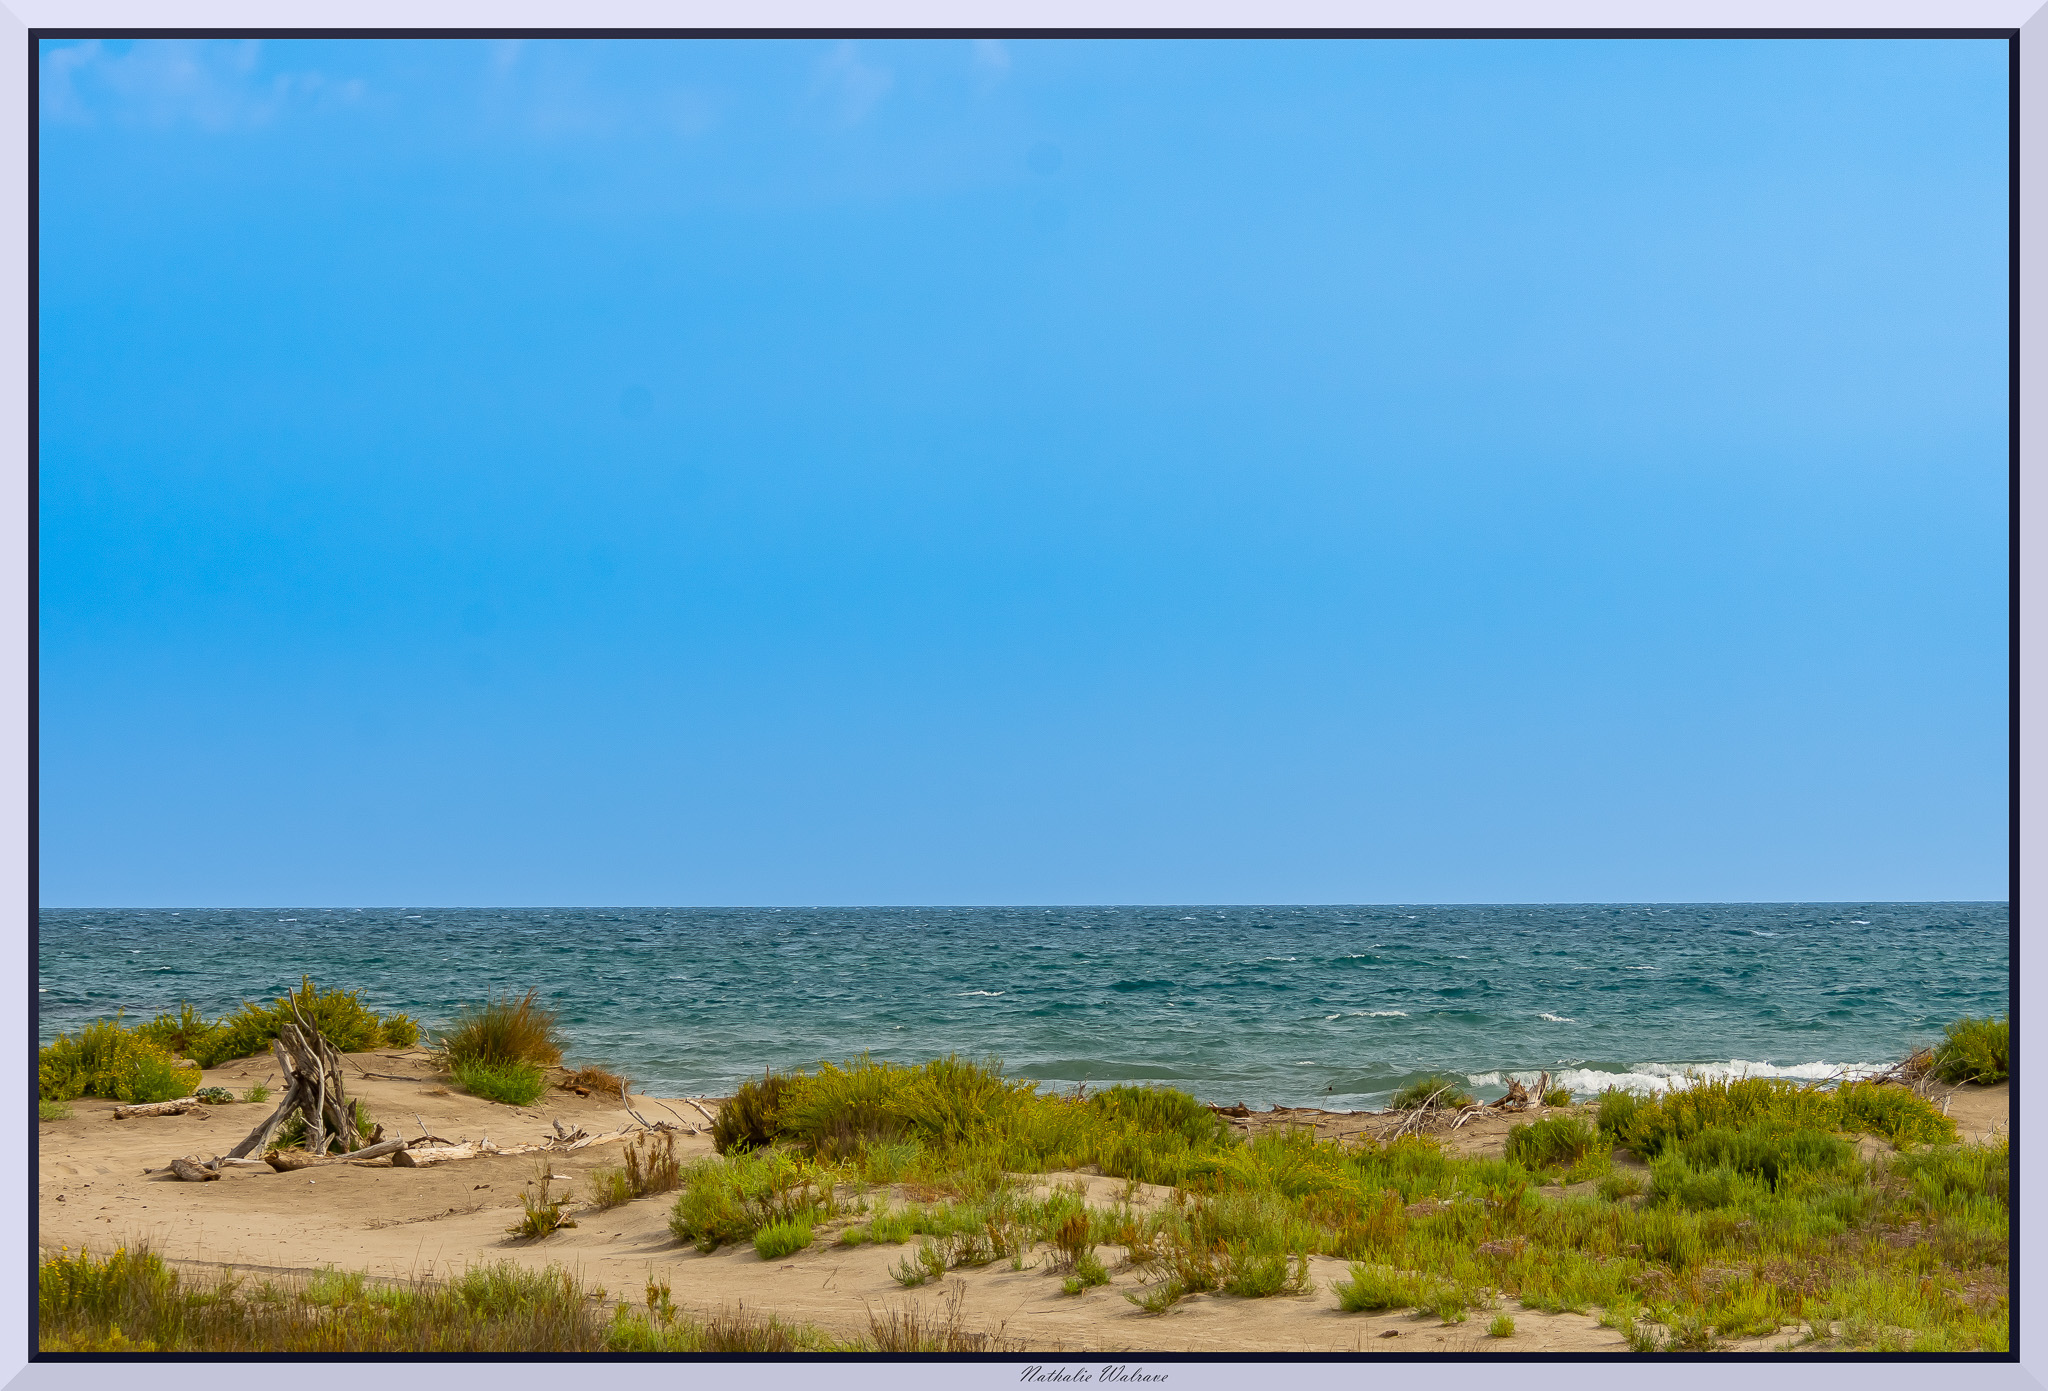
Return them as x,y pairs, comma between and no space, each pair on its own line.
970,472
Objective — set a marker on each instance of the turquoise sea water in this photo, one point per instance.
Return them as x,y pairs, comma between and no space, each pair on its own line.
1332,1006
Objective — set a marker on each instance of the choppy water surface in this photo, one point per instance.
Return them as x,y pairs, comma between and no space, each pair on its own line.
1319,1005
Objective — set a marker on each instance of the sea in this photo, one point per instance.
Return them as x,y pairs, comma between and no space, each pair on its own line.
1326,1006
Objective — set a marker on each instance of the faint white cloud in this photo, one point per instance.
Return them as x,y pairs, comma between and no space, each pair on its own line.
853,86
215,86
991,59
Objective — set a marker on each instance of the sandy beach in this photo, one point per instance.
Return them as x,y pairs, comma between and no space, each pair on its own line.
402,1223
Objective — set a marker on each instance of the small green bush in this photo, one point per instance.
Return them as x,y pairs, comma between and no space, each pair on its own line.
514,1084
1088,1273
1439,1091
504,1031
1973,1050
1558,1140
53,1110
1558,1096
752,1119
777,1239
1615,1187
1502,1327
107,1059
725,1201
1766,1153
258,1093
214,1096
1373,1288
1617,1112
340,1015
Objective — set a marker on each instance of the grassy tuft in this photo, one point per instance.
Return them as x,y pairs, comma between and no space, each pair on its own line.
1502,1327
258,1093
1555,1142
514,1084
778,1239
1558,1096
504,1031
53,1110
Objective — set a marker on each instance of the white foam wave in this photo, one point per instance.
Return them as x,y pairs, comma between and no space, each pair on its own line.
1386,1014
990,993
1557,1019
1655,1079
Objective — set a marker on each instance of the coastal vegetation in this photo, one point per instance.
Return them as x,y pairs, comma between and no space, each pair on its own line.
342,1018
1719,1211
1440,1091
1972,1050
497,1050
107,1059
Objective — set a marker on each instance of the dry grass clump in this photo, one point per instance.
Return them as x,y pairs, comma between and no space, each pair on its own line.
910,1327
649,1167
544,1215
596,1080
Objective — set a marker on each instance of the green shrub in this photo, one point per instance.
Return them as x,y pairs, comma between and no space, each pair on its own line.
514,1084
1437,1091
1374,1288
214,1096
186,1035
1652,1127
1767,1153
1617,1113
725,1201
1893,1112
399,1030
1161,1109
1615,1187
609,1189
1088,1273
1558,1140
752,1119
53,1110
109,1060
504,1031
1501,1327
1558,1096
777,1239
258,1093
1973,1050
1260,1274
340,1015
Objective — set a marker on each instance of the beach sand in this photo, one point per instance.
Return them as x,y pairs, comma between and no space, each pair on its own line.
432,1222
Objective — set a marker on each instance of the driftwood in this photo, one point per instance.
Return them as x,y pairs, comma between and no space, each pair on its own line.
433,1154
313,1091
286,1161
155,1108
192,1172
